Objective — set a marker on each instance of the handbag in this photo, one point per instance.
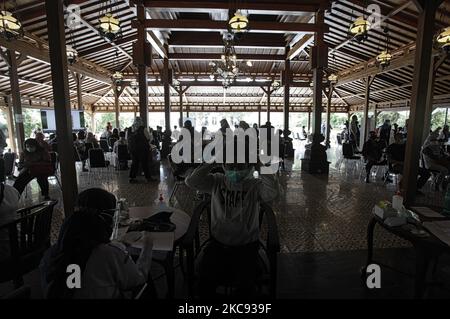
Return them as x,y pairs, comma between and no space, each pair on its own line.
41,169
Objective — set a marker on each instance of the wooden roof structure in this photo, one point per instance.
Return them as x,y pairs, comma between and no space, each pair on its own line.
188,34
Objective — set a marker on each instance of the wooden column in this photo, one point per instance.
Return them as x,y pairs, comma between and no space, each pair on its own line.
79,80
142,61
166,94
309,121
93,122
60,83
420,96
368,81
10,122
259,115
116,106
16,100
268,92
446,116
286,82
328,131
319,62
181,106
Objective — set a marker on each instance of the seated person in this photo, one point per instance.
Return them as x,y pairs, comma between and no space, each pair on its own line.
9,202
80,146
235,205
396,158
92,139
40,138
108,272
373,152
435,158
32,159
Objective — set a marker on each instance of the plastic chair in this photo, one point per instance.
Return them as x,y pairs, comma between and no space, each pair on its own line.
104,145
29,238
97,162
122,157
348,156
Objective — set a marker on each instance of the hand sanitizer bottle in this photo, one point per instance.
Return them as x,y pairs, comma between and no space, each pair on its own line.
397,202
161,203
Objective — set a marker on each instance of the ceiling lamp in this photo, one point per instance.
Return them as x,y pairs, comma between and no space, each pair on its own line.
134,85
359,29
117,78
238,23
227,68
109,26
72,54
384,59
10,27
333,78
443,40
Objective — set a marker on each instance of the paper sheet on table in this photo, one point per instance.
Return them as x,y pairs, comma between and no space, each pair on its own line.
427,212
440,229
162,241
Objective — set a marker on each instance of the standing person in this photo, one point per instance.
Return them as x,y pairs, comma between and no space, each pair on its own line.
385,132
175,133
139,147
107,132
34,163
40,138
354,132
304,134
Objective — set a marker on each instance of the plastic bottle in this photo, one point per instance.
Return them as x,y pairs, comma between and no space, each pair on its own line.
397,202
446,209
161,203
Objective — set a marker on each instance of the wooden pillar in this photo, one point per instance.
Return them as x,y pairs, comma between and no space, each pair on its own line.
368,82
420,96
180,92
259,115
309,121
328,131
446,116
58,62
166,93
79,80
319,62
286,80
268,92
10,122
16,100
142,60
116,105
93,122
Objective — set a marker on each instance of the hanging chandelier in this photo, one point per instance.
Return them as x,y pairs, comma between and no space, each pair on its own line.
134,85
227,68
443,40
333,78
10,27
72,54
109,26
359,29
383,59
238,23
117,78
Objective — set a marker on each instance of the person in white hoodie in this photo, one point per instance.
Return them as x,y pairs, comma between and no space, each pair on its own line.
235,205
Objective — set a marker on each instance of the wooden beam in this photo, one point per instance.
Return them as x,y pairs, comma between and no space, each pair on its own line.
262,7
300,46
166,94
10,122
82,66
58,59
286,79
214,39
210,25
217,56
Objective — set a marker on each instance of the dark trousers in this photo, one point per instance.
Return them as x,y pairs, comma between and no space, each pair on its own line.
222,265
371,163
25,177
140,159
423,174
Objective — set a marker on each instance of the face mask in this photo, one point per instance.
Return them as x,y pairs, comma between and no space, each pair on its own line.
31,149
237,176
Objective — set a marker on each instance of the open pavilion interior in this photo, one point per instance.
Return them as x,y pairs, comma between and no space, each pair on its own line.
297,64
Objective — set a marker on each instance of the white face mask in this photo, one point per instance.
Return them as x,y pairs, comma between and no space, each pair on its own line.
31,149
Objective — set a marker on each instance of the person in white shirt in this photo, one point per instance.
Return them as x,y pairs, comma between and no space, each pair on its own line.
107,270
175,133
9,203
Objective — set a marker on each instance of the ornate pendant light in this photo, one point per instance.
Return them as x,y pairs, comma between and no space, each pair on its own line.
134,85
10,27
383,59
72,54
359,29
333,78
227,68
238,23
109,26
443,40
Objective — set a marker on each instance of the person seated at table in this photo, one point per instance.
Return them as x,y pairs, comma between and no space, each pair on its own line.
9,203
90,138
32,163
435,159
121,141
396,158
235,205
80,146
108,272
373,153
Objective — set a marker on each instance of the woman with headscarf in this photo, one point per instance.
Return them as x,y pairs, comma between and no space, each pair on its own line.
35,162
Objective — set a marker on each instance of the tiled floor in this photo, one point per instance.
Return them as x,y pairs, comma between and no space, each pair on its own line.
315,215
